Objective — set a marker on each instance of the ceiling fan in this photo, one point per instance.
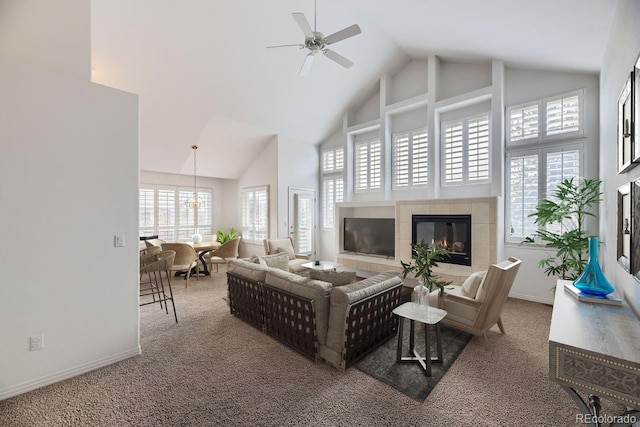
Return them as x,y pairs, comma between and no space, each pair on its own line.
316,42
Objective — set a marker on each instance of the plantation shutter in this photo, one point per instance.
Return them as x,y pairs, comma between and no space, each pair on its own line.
523,195
255,214
328,196
563,115
339,159
361,169
328,161
478,149
523,123
453,155
375,165
420,167
146,211
401,160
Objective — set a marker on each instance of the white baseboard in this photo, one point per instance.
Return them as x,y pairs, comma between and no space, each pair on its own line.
532,298
67,373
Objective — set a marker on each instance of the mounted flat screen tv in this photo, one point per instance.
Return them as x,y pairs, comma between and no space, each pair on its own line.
372,236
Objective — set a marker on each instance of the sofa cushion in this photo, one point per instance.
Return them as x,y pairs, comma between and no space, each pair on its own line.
336,278
286,250
250,270
279,261
316,290
472,283
343,296
296,264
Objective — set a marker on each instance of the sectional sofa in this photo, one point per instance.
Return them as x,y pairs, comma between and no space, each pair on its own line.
334,322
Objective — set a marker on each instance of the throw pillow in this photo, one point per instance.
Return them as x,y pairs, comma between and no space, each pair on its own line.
472,283
336,278
288,251
280,261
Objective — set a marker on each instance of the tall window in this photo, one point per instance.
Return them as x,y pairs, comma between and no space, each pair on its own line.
466,151
255,214
163,212
332,184
368,165
410,167
542,151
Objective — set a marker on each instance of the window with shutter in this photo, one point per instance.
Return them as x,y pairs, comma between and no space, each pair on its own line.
533,175
255,214
171,219
410,157
478,149
466,147
523,122
563,115
367,165
453,161
332,184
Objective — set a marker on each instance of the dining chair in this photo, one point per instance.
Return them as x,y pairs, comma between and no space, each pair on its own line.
185,261
228,250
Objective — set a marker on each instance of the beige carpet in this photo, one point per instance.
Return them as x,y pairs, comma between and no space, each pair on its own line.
213,369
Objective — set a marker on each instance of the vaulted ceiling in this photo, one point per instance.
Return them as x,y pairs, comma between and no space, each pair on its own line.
205,76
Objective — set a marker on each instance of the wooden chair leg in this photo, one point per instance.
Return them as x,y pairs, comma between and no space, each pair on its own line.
500,325
486,341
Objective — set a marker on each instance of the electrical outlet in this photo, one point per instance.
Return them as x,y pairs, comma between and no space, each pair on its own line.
36,342
118,240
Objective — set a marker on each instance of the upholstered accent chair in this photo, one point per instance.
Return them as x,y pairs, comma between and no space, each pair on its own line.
476,305
274,246
228,250
186,259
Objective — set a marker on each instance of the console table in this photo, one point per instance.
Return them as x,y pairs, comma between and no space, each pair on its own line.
595,348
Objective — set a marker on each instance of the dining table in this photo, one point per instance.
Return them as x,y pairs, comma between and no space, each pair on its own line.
202,248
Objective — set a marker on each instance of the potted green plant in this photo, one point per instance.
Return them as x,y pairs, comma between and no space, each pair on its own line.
426,258
562,226
226,236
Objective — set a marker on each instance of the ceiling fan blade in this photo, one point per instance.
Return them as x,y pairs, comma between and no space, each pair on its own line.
338,58
286,45
345,33
306,65
303,24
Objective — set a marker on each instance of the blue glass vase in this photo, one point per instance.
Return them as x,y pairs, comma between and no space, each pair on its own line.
592,281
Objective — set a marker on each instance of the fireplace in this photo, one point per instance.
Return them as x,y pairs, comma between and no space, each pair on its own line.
451,231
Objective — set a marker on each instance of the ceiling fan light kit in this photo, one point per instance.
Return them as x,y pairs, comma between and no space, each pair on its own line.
315,42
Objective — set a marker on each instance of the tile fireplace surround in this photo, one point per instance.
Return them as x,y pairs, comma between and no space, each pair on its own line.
487,235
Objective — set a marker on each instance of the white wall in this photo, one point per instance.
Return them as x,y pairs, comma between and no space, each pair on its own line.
54,34
622,51
68,184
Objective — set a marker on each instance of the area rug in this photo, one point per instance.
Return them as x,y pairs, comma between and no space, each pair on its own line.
409,378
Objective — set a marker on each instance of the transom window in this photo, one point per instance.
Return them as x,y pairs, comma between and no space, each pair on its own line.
410,159
466,149
550,118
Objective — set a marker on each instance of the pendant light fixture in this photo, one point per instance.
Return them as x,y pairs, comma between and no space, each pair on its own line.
194,201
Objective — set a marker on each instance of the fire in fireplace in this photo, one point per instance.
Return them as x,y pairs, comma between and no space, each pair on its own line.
450,231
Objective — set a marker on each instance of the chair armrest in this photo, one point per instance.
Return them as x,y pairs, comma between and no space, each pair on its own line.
302,256
463,300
